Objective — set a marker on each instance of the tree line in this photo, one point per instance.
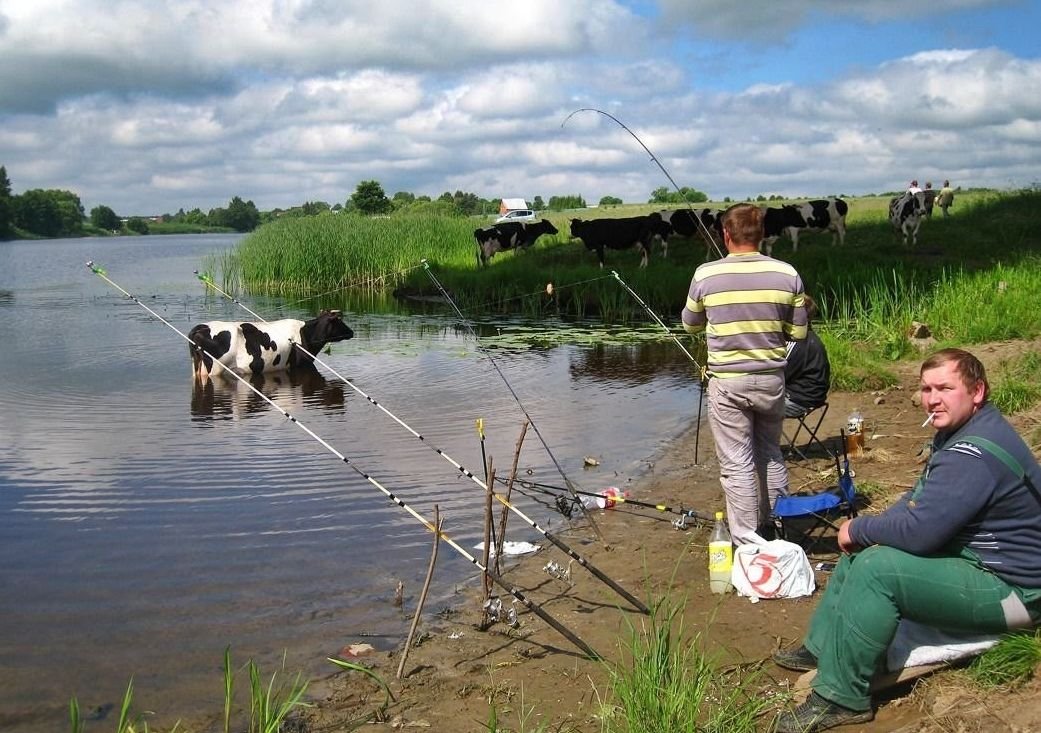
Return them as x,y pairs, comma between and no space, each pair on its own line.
60,213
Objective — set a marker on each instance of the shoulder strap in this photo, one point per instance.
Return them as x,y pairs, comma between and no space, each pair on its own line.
1005,457
998,452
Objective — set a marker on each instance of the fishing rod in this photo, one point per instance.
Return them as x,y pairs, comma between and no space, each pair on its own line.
560,544
702,372
516,398
512,590
657,162
616,498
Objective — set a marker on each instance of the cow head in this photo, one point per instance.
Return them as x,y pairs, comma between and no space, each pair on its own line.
547,227
326,328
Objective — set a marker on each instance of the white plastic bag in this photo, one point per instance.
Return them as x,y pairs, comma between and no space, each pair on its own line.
775,569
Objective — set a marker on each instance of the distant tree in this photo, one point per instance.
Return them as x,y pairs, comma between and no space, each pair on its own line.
726,199
369,198
570,201
36,212
242,216
314,208
660,195
466,203
105,218
49,213
6,205
760,197
610,201
403,198
138,225
663,195
538,204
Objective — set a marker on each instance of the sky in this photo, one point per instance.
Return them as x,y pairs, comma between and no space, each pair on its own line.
150,106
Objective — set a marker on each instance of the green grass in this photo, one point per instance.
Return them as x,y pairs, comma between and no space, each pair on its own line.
1011,662
667,682
1016,383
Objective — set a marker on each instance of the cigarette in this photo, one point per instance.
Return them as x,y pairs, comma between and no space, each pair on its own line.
929,419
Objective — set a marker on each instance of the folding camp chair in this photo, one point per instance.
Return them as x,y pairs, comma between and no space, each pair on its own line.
792,513
806,422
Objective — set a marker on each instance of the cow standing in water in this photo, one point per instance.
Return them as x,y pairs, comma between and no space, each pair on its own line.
256,348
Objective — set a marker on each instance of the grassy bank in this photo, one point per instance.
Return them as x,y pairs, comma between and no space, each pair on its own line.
970,278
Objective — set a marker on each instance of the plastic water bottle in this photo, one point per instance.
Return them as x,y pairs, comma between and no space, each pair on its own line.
720,557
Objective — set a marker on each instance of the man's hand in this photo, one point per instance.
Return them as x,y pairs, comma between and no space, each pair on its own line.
846,544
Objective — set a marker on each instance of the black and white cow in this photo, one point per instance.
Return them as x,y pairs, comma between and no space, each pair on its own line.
509,235
905,214
704,223
778,221
633,231
255,348
820,215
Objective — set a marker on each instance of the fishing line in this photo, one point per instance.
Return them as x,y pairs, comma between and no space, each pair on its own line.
356,283
657,162
550,289
517,399
513,591
560,544
702,372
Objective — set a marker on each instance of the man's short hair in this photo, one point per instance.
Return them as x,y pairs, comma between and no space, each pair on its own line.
745,223
969,368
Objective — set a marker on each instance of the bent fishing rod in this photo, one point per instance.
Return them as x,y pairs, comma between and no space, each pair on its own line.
517,399
512,590
560,544
657,162
702,372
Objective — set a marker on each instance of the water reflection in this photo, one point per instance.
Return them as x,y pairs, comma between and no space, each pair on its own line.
225,398
633,364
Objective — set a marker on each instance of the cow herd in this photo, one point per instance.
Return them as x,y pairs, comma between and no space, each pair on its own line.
643,232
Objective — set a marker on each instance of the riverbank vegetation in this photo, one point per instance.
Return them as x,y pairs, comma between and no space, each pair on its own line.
971,278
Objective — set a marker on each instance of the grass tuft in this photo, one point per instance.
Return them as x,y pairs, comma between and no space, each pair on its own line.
1011,662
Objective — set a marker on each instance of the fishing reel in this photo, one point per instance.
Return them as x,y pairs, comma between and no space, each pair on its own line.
560,572
565,506
495,612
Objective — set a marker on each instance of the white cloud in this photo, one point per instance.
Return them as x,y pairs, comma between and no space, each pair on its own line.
277,102
772,21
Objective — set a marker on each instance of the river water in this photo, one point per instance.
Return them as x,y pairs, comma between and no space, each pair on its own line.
146,523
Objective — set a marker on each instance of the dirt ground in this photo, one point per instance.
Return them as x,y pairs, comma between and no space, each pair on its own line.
536,677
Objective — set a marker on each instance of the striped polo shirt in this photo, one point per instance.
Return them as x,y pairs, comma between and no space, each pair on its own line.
751,304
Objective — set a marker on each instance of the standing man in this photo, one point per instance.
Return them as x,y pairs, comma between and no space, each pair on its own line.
749,305
945,198
958,552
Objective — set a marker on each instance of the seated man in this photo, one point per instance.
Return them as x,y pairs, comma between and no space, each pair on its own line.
807,375
958,552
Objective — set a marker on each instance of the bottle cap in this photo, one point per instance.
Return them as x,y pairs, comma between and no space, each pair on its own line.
719,516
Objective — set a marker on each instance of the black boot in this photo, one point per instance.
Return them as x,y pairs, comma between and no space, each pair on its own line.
819,714
800,659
